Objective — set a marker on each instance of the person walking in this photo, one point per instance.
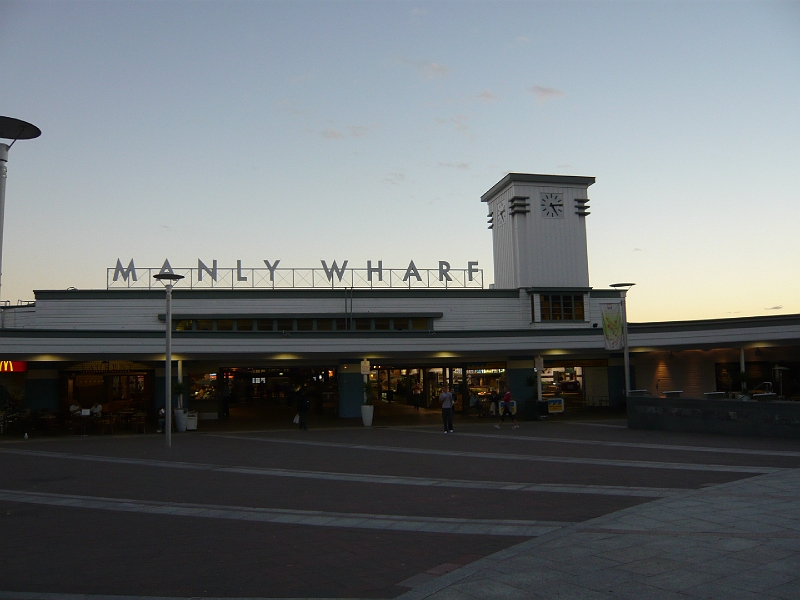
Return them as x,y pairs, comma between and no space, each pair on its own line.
446,398
506,406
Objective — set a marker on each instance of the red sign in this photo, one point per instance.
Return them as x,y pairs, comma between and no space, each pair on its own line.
13,366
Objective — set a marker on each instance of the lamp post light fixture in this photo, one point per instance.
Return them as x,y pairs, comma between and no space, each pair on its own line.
10,129
623,289
168,279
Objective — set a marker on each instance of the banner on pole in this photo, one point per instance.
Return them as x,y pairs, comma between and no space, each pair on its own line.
612,325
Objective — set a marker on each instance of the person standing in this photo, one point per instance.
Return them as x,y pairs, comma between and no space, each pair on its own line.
303,404
446,398
506,406
416,394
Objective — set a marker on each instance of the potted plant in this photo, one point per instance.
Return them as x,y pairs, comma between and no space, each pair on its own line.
179,412
367,409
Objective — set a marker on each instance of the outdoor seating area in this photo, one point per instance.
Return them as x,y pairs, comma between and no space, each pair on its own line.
18,421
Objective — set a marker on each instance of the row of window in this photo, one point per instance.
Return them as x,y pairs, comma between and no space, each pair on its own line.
561,307
310,324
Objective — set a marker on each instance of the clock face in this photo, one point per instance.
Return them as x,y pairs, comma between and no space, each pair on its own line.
501,213
552,205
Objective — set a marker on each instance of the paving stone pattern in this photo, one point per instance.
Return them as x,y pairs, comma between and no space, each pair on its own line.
739,540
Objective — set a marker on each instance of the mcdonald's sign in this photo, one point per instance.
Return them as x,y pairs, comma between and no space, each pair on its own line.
13,366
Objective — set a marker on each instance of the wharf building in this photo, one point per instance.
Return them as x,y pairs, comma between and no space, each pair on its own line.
248,337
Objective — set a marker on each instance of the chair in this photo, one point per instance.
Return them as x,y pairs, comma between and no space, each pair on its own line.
138,422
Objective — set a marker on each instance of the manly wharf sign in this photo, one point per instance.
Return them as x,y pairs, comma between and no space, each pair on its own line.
272,276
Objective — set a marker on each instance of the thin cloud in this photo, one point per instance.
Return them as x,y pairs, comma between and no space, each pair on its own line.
352,131
458,165
394,178
543,94
332,134
487,96
460,123
638,250
427,68
291,107
780,306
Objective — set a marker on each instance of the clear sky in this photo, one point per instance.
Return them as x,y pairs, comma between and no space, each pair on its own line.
369,130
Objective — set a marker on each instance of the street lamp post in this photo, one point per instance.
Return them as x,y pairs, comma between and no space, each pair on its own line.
623,289
168,279
10,129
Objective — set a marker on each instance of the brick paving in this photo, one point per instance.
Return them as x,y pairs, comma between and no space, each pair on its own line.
711,516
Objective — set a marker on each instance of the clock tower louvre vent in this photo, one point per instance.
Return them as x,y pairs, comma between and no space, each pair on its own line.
519,205
581,207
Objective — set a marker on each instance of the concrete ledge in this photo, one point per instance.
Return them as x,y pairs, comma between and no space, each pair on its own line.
727,417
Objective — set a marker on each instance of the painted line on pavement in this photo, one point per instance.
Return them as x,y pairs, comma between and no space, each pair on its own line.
603,490
502,527
526,438
66,596
439,453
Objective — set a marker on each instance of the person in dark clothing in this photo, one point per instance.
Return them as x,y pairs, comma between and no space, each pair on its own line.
303,406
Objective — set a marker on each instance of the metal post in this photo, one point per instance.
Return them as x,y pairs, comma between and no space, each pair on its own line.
180,381
168,369
3,177
625,345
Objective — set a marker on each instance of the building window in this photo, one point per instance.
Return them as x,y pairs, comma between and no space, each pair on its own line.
305,324
419,324
244,325
285,324
561,307
224,325
265,324
204,324
184,325
363,324
324,324
382,324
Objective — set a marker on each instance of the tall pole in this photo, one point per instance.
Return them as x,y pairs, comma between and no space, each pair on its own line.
168,369
10,129
625,346
3,177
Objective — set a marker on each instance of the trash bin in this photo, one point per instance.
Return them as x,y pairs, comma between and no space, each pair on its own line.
180,420
530,410
543,408
191,420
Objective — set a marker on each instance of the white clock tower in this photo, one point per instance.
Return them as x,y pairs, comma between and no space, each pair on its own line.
538,225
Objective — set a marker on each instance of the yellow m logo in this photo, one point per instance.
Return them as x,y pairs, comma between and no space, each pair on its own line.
6,365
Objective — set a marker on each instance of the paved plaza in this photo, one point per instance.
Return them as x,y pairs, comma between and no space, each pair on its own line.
550,510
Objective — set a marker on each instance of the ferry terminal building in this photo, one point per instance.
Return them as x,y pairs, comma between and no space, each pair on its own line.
252,335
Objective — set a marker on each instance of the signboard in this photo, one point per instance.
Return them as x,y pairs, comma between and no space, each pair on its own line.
13,366
555,405
365,367
326,276
612,325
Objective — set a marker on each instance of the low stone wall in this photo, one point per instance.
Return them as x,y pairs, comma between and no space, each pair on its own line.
727,417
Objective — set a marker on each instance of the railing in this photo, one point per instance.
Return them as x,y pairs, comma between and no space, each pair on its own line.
280,278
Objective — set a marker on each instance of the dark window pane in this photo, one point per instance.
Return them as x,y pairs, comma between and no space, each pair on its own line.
381,324
244,325
419,323
566,304
265,324
363,324
305,324
400,324
204,325
224,325
285,324
324,324
579,315
185,325
546,314
341,324
555,302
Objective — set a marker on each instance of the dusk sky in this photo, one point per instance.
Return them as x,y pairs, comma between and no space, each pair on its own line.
363,131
